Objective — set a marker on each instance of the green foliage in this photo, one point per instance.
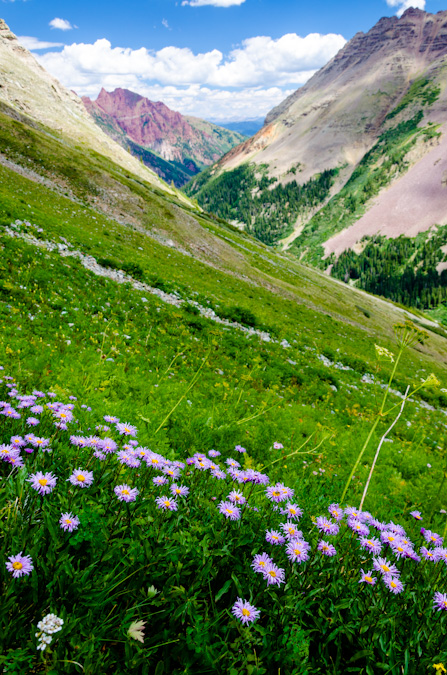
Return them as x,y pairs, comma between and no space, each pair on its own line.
402,269
246,194
421,91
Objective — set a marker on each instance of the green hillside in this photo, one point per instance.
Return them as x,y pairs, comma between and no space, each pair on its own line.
147,309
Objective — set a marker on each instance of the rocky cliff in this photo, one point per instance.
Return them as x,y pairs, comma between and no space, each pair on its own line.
186,144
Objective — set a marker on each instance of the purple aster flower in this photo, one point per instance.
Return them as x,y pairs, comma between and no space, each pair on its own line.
179,490
371,544
393,583
159,480
433,538
383,566
64,415
326,549
16,461
110,419
357,526
400,549
398,529
37,409
244,611
416,515
229,510
69,522
19,565
389,537
274,537
72,398
214,453
17,441
291,531
273,575
126,493
378,525
7,450
41,443
171,472
365,517
221,475
440,601
126,429
81,478
429,554
260,561
367,578
276,493
292,511
336,512
277,446
297,550
239,448
236,497
128,459
154,459
99,454
350,511
10,413
232,463
202,464
441,554
32,421
326,525
42,482
166,503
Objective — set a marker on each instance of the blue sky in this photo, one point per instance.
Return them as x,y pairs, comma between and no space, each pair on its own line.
217,59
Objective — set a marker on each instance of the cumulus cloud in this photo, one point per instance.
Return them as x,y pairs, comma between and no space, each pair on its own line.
403,5
61,24
248,81
214,3
33,43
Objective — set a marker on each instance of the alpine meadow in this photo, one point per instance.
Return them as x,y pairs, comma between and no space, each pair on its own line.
223,404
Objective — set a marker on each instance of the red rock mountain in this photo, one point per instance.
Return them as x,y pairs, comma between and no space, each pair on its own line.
148,128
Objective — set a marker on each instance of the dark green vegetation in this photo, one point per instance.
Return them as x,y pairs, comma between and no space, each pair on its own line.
191,384
247,195
402,269
422,91
376,169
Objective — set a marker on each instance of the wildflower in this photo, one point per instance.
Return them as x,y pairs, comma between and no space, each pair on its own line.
221,475
441,554
440,601
429,554
274,537
350,511
356,525
232,463
382,565
297,551
383,353
326,549
214,453
388,537
110,419
41,443
171,471
16,461
17,441
371,544
126,429
239,448
159,480
166,503
229,510
126,493
260,561
69,522
277,446
37,409
439,667
327,526
275,493
19,565
81,478
367,578
136,629
236,497
128,459
50,624
397,529
292,511
244,611
416,515
180,490
431,381
32,421
432,538
291,531
393,583
42,482
273,575
336,512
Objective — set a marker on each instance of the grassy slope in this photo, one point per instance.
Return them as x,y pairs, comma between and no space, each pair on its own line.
224,269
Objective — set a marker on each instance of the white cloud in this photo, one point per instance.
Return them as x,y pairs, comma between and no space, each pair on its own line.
403,5
245,83
214,3
165,24
61,24
33,43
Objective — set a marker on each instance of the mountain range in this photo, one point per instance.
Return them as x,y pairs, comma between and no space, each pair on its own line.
175,146
360,150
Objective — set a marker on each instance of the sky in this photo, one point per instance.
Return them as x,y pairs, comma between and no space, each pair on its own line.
222,60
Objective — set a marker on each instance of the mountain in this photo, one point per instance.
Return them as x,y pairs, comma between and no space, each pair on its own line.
176,147
360,149
244,127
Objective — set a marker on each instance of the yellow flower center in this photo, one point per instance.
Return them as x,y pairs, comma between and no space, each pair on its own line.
42,481
272,573
154,461
369,579
39,442
276,493
393,584
433,538
261,563
17,565
167,502
229,511
80,478
297,551
246,612
68,521
63,415
177,490
385,568
127,430
292,511
126,492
